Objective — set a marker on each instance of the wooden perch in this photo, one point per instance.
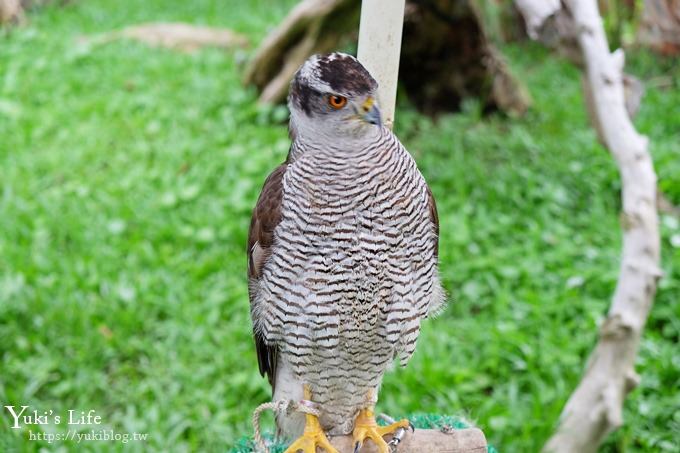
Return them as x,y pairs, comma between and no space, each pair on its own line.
596,407
469,440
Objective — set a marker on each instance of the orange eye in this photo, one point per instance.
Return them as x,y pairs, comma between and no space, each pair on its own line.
337,102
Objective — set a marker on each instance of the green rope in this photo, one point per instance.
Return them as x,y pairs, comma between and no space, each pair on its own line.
421,421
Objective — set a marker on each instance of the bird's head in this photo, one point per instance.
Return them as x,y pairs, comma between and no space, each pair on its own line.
334,97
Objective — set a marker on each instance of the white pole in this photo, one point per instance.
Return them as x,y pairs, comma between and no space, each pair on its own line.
382,22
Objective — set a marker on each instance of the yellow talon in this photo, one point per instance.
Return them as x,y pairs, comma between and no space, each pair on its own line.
313,435
365,427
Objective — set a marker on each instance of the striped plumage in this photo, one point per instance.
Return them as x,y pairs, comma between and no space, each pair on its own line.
343,252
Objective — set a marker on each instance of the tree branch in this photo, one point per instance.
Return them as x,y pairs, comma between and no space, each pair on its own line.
595,408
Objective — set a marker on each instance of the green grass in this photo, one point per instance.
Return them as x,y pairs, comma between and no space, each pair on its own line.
127,175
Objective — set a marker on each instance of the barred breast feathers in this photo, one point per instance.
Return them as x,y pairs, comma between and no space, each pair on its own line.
325,196
343,268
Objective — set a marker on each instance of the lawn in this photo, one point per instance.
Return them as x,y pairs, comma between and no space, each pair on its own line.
127,176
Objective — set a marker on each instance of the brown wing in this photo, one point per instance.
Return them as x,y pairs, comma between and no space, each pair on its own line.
434,217
266,216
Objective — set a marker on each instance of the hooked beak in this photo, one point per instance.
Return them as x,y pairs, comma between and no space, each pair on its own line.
371,112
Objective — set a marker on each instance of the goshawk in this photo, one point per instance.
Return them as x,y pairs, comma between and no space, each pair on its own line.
342,256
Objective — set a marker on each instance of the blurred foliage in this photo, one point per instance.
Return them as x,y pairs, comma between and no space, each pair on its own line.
127,175
621,20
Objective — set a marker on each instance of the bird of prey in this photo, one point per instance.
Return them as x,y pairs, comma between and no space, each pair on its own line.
342,257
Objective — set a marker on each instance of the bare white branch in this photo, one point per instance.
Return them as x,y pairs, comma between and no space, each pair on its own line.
596,406
536,12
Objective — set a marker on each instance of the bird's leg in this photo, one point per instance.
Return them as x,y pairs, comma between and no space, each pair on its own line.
365,427
313,435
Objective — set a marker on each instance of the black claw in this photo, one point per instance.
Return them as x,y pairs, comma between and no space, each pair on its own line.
411,427
357,447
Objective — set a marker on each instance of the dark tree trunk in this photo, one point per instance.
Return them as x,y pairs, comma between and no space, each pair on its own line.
446,54
447,57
